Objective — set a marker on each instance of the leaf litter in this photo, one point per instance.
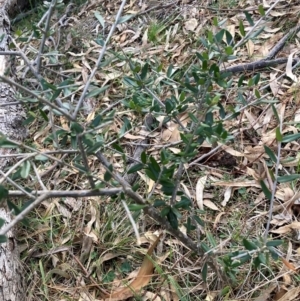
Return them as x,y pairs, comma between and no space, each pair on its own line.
232,198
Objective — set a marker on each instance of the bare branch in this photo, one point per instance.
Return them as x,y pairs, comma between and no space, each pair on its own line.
69,193
80,101
22,214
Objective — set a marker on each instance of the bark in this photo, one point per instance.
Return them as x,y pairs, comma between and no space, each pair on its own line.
12,286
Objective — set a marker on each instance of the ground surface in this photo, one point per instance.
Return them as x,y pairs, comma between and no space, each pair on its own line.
73,249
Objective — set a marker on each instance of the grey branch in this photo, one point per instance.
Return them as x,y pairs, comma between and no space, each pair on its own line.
68,193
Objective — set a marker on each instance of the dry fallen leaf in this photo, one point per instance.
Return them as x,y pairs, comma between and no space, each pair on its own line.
142,279
227,196
291,294
288,264
289,69
210,205
191,24
199,191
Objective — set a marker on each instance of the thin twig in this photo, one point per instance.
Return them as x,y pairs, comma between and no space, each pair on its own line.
86,87
38,176
23,213
274,187
177,183
16,185
85,161
153,213
246,37
26,60
15,166
68,193
45,35
41,99
137,234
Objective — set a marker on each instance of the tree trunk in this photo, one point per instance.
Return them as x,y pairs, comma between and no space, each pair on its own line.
12,286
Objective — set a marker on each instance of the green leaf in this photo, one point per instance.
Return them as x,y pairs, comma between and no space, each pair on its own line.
94,148
211,239
125,18
96,121
229,50
100,42
154,165
44,115
242,29
288,178
241,260
275,113
118,148
209,118
135,168
164,158
158,203
249,19
25,169
76,128
257,94
224,292
250,82
257,33
256,78
249,245
193,117
176,212
229,38
261,10
241,79
170,71
96,91
215,21
290,138
159,68
273,252
2,222
151,175
184,203
262,258
4,143
182,96
144,71
108,175
265,190
189,226
274,243
41,157
219,35
16,210
270,153
136,207
169,106
172,218
165,211
3,239
278,135
144,157
88,140
109,277
99,18
3,193
125,127
204,272
130,82
199,220
47,85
